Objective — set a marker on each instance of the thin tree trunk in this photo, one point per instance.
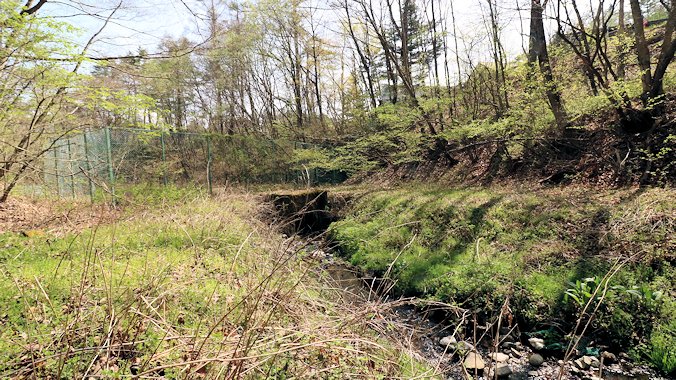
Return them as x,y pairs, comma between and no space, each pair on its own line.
364,62
538,51
621,33
642,50
667,54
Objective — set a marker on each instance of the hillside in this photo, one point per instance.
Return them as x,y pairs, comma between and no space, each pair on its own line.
534,258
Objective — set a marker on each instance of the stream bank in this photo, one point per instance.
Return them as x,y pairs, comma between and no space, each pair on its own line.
449,338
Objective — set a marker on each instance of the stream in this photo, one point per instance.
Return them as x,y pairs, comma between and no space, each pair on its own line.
433,332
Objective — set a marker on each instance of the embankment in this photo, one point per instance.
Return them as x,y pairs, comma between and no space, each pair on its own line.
539,255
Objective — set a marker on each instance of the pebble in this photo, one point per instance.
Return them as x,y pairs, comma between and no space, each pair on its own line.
447,341
608,357
536,360
591,361
581,363
503,369
537,343
474,361
516,353
498,357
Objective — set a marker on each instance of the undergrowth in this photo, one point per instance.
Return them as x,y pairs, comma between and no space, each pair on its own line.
184,286
477,247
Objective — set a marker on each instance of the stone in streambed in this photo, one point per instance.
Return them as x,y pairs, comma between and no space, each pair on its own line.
591,361
581,364
474,361
608,357
447,341
498,357
536,360
503,370
536,343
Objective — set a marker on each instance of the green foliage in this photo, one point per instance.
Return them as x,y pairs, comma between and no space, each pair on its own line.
662,348
476,247
181,266
391,142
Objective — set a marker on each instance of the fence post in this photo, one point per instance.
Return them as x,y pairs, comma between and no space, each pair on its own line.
56,170
164,159
88,167
109,158
209,165
72,173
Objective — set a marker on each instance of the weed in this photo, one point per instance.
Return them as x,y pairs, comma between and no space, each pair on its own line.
187,286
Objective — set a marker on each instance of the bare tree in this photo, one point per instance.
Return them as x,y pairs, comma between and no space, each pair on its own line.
538,52
653,80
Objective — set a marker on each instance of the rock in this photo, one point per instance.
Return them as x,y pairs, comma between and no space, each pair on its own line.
503,369
590,361
581,364
447,341
498,357
516,354
536,360
533,373
608,357
474,361
536,343
464,346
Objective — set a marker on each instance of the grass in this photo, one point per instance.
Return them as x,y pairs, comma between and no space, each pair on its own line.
184,286
477,247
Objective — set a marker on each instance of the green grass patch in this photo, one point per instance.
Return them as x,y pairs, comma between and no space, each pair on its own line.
183,286
477,247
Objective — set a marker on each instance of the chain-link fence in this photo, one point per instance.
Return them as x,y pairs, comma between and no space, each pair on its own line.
96,161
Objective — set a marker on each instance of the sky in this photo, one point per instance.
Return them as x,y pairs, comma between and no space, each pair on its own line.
144,23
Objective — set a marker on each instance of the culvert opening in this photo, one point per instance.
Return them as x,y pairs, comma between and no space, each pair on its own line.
304,213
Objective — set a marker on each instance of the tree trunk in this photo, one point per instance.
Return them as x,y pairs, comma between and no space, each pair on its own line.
642,50
666,55
538,51
364,62
621,32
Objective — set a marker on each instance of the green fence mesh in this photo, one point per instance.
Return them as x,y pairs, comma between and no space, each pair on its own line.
96,160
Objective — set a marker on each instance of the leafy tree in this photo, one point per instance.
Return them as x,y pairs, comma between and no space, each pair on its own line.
38,102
